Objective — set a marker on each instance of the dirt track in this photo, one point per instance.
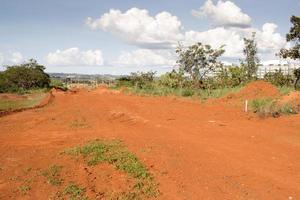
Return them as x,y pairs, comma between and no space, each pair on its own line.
195,151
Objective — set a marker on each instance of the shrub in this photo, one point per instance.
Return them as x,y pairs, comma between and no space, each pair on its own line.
278,78
24,77
269,107
232,76
171,79
142,80
297,76
58,84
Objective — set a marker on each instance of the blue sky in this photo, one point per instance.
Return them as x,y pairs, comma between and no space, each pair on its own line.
57,33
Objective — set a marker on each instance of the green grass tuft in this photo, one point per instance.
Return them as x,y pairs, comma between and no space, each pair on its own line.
24,189
52,174
75,192
116,154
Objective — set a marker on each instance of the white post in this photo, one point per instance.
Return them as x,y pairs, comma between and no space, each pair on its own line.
246,105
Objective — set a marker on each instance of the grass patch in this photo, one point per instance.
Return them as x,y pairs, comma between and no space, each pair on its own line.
269,107
116,154
52,174
24,189
284,90
182,92
26,101
75,192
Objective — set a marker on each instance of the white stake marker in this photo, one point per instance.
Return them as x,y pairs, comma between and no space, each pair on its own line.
246,106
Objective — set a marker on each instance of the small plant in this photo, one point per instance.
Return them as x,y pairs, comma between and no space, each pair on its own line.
75,192
269,107
52,174
287,109
278,78
116,154
263,107
24,189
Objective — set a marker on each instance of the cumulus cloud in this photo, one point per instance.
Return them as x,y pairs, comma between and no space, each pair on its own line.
146,58
16,58
224,13
1,58
216,38
11,58
269,42
157,35
137,27
75,57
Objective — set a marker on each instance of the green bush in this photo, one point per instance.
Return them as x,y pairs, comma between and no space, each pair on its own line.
278,78
231,77
171,79
269,107
297,76
23,77
143,79
58,84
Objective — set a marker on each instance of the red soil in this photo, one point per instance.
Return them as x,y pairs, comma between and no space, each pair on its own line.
256,89
292,99
195,151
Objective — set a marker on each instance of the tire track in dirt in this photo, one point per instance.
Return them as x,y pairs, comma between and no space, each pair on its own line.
196,151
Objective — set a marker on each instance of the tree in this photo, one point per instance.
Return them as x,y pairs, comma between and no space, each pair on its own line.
23,77
198,60
294,52
252,61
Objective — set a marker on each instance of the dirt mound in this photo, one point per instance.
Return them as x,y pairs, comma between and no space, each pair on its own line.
256,89
292,99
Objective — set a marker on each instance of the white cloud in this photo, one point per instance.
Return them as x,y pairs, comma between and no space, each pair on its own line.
146,58
157,35
269,40
1,58
16,58
224,13
75,57
137,27
11,58
216,38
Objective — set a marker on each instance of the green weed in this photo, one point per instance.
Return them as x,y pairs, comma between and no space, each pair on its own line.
52,174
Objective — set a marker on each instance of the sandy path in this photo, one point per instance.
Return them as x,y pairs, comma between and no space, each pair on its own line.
194,150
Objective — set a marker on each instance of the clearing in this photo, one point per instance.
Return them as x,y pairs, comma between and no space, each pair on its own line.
183,148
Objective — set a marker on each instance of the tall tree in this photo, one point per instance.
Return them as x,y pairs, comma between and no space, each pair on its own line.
294,52
252,60
198,60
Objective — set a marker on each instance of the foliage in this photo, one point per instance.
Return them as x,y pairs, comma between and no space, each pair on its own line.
293,37
269,107
172,79
278,78
252,61
124,81
23,77
297,76
52,174
75,192
198,61
58,84
232,76
294,52
142,79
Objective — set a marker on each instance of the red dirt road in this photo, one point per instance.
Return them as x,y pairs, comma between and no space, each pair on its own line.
194,150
